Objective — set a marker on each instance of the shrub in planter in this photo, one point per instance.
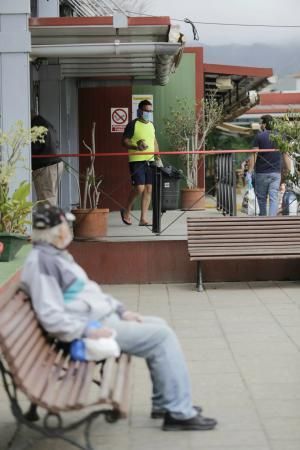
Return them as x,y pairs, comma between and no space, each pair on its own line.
15,208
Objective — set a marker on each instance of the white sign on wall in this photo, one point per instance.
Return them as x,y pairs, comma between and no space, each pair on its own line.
136,99
118,119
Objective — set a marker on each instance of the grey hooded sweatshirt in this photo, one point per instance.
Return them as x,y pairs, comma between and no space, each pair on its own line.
63,297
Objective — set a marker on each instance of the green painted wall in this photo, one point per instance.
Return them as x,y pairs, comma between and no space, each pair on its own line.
182,84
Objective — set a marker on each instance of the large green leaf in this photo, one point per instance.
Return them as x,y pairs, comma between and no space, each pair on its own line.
22,192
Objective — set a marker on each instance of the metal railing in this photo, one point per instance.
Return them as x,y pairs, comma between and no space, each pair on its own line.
226,184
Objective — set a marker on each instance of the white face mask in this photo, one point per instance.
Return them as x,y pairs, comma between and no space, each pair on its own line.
65,240
148,116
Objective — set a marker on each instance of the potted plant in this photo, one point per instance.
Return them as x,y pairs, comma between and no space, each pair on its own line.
15,207
90,220
188,127
286,137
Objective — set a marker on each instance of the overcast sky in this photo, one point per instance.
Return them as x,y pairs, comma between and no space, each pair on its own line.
273,12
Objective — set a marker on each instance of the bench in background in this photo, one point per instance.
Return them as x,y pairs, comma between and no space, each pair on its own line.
44,372
242,238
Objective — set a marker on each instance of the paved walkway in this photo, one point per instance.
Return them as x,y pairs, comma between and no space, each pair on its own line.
242,344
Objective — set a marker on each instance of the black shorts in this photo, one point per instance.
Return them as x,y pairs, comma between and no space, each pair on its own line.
141,173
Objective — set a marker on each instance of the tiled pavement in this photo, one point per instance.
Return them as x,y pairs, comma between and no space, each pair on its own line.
241,341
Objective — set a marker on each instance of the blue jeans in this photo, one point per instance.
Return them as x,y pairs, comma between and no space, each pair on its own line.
155,341
267,184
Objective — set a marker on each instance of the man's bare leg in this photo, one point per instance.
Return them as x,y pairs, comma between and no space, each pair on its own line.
134,193
146,198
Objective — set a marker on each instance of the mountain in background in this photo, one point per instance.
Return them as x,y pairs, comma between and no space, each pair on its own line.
284,60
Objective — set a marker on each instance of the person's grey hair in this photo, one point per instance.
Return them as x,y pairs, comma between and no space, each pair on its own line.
48,235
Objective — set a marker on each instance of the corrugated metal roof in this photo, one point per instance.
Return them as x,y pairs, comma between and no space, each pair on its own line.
244,79
91,8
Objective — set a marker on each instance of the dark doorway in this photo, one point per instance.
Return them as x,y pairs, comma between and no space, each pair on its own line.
95,106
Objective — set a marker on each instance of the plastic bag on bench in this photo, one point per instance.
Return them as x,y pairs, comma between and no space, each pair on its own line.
94,349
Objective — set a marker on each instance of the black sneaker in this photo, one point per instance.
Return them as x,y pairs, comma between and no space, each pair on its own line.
197,423
160,414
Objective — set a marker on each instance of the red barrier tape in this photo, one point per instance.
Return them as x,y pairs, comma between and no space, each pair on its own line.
196,152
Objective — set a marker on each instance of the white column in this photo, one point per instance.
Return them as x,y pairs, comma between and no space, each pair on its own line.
15,45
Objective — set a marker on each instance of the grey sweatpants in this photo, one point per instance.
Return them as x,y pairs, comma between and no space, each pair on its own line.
155,341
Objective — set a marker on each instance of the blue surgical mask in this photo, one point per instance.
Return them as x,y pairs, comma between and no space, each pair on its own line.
148,116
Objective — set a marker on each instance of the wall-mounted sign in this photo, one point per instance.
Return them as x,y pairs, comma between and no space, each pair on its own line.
136,99
119,119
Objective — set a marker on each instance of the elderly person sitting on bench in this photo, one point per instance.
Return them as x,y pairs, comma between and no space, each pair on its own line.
67,302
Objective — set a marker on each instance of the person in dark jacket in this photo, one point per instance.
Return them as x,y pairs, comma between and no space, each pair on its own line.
46,172
267,169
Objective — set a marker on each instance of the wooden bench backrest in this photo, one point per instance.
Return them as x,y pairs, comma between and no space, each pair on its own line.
243,237
45,374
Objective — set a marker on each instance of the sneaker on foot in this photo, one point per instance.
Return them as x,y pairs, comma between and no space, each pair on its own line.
160,413
197,423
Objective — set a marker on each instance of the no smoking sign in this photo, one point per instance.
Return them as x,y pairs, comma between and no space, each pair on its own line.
119,119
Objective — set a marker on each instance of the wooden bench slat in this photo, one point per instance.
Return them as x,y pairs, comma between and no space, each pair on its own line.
233,219
119,380
246,224
238,244
108,380
120,395
237,257
22,327
124,406
18,345
42,374
27,353
241,225
7,295
17,318
78,385
244,251
237,239
29,371
83,394
56,372
66,386
9,311
253,232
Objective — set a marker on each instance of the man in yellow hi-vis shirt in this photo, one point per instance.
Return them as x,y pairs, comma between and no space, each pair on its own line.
139,135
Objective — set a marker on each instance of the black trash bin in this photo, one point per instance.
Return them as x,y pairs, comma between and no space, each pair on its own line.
170,194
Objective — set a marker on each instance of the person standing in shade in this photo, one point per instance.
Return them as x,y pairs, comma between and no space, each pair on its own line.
46,172
139,135
267,169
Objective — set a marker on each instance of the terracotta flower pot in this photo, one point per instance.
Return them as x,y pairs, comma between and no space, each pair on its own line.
90,223
192,199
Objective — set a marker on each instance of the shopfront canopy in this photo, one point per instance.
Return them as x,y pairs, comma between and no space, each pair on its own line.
134,48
